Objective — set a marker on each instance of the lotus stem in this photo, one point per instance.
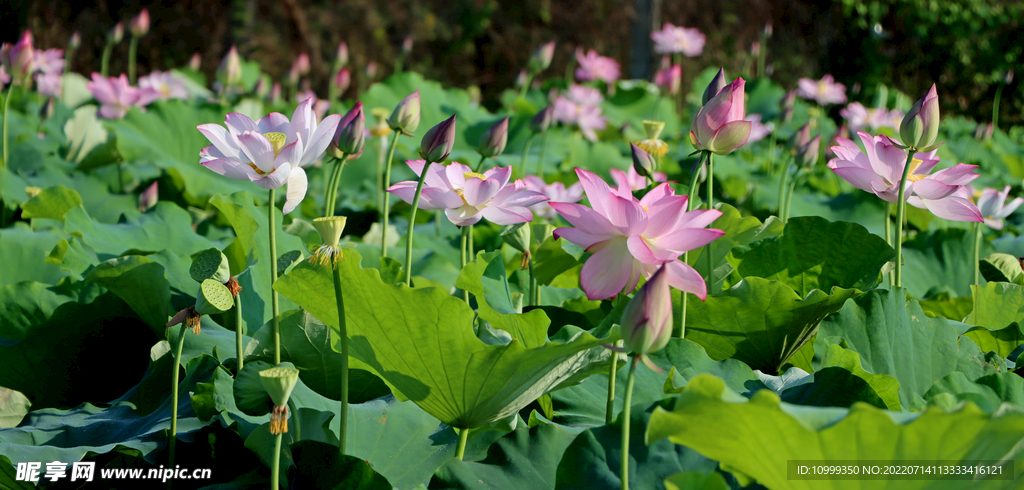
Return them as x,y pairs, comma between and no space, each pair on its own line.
977,266
462,257
7,106
133,46
387,201
540,158
711,205
900,209
275,466
789,200
120,176
380,172
339,166
526,150
105,60
783,181
174,397
526,85
343,339
613,368
239,329
460,450
888,236
437,222
480,164
297,433
624,472
533,284
412,227
328,189
995,105
275,324
686,255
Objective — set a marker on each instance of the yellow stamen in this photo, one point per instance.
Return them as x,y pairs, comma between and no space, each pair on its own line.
654,147
469,175
911,176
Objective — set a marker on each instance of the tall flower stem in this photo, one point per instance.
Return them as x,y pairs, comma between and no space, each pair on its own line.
133,47
901,204
387,197
275,324
105,60
888,236
339,166
7,106
460,450
526,84
540,158
977,267
239,330
995,105
275,467
526,150
711,205
480,164
613,369
789,199
462,256
783,181
343,339
380,172
412,226
686,255
530,301
174,397
624,469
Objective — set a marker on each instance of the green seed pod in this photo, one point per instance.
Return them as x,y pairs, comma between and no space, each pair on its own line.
517,236
213,297
279,382
210,264
286,260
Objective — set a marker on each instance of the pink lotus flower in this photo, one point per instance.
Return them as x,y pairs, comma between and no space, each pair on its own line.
467,196
994,208
270,152
116,96
879,167
758,131
580,106
631,238
49,84
719,126
824,91
596,67
671,39
860,117
630,180
556,192
165,84
49,61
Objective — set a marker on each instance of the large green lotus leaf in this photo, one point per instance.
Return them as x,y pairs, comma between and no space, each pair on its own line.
999,315
485,279
813,253
23,254
635,101
974,363
760,322
987,392
585,405
141,284
693,480
739,231
841,381
551,261
717,423
25,304
71,435
13,408
429,353
593,460
318,465
51,203
306,343
250,249
941,260
167,226
213,340
893,336
943,305
524,458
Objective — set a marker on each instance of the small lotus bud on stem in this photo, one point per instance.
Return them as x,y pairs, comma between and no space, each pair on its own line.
406,116
279,420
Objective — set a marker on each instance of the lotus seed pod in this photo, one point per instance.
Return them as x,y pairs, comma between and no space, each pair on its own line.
330,228
287,260
210,264
653,129
517,236
279,382
213,297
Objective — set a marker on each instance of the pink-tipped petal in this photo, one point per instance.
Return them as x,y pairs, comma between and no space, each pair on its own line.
688,239
640,251
685,278
239,123
222,140
320,139
933,189
597,190
478,191
607,272
954,209
507,215
275,122
575,235
585,219
231,168
730,136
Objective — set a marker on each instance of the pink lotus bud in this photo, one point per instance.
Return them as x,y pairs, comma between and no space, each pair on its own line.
920,126
438,141
788,104
371,70
275,94
540,60
493,141
140,23
195,62
522,79
406,45
406,116
643,162
262,88
342,80
716,86
768,29
149,197
719,126
116,34
670,79
543,119
20,57
807,155
350,137
341,55
76,41
800,138
301,65
1008,78
755,48
230,70
647,320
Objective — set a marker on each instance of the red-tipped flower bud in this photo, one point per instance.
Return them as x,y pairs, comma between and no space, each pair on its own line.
438,141
807,155
350,136
643,162
647,320
75,42
716,85
20,57
116,34
140,23
493,142
230,70
341,55
342,79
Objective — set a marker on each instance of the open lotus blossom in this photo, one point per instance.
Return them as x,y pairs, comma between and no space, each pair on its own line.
116,96
270,152
879,167
580,106
630,180
758,130
49,61
165,84
993,205
556,192
860,117
466,196
672,39
596,67
49,84
631,238
825,91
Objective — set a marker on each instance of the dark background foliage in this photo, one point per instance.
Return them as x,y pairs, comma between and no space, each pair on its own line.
965,46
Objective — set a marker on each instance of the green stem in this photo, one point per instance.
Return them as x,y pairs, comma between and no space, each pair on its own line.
977,267
296,434
526,85
690,201
624,469
771,156
174,396
412,225
462,257
133,46
387,198
275,468
105,60
480,164
900,208
120,176
239,331
437,222
343,339
380,172
328,188
275,324
533,284
613,368
460,450
526,150
339,167
7,106
711,205
888,236
995,105
789,200
783,181
540,158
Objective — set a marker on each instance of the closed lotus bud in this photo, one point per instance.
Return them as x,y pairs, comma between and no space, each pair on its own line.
543,119
522,79
262,88
371,71
647,320
116,34
643,162
20,57
301,65
342,79
920,126
406,116
76,41
275,93
493,142
140,23
1008,78
716,85
230,70
807,155
438,141
540,60
341,55
670,79
768,29
406,45
149,197
350,137
989,129
755,48
799,138
788,104
195,62
719,126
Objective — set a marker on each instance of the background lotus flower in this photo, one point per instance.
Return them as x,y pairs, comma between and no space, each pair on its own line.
116,96
49,84
555,192
879,167
671,39
860,117
48,61
993,206
165,84
629,180
758,131
580,107
596,67
825,91
4,77
467,196
631,238
719,126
